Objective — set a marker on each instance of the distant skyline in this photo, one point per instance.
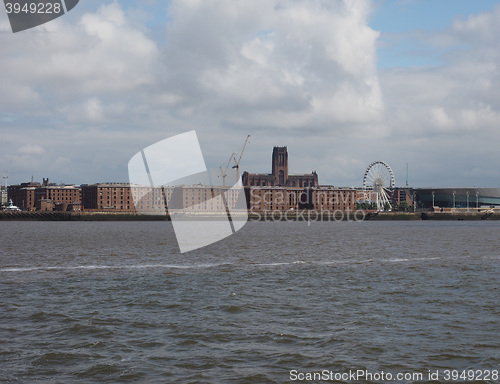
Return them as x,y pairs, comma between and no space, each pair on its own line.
341,83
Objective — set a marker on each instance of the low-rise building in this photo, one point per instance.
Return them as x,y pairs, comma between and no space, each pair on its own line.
115,197
34,196
3,196
23,195
320,199
56,197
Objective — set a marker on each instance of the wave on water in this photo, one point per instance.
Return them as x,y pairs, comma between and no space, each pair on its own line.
109,267
47,268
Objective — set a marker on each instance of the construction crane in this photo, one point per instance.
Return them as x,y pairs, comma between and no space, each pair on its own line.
223,172
237,163
6,174
5,177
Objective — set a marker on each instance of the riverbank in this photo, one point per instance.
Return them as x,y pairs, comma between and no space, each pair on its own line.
459,214
78,216
491,214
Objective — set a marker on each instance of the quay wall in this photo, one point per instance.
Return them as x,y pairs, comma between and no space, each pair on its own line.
77,216
493,214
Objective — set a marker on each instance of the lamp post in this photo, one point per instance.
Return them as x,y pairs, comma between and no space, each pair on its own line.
454,193
433,194
467,201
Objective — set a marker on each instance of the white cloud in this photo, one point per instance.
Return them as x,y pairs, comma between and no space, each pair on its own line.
482,27
31,149
101,54
299,57
440,119
258,50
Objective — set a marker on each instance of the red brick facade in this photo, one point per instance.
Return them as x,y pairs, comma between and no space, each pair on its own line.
47,197
320,199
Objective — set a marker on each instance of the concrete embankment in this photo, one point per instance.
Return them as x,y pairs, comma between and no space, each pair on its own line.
77,216
393,216
373,215
450,216
483,215
493,214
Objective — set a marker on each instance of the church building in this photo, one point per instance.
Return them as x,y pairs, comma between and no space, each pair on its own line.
280,176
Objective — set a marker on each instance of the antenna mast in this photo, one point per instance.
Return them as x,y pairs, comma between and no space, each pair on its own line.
406,175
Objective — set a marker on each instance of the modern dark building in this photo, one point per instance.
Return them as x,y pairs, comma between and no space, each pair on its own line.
457,197
280,176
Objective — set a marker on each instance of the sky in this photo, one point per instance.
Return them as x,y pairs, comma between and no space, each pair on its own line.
341,83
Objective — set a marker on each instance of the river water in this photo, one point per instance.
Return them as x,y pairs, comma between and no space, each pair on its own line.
277,302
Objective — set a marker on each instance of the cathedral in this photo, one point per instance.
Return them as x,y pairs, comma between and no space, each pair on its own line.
280,176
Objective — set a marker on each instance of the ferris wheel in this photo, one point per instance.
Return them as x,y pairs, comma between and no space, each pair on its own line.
377,183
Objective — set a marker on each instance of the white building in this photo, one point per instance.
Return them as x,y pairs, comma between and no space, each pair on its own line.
3,196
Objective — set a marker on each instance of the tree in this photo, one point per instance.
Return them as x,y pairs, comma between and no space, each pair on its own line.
404,206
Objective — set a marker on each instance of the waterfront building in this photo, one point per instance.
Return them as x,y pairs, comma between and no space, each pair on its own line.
427,198
205,199
106,197
329,198
23,195
400,195
261,199
3,196
55,197
123,197
34,196
320,199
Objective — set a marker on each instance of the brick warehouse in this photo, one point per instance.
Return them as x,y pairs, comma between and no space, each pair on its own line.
323,198
34,196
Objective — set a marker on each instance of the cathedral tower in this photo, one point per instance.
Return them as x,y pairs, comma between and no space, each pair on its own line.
280,165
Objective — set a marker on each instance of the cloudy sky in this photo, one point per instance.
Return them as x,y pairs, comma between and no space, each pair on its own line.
342,83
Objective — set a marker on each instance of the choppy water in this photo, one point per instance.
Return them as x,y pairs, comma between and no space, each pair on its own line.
116,302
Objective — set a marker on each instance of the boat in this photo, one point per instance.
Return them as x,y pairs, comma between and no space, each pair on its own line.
11,206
